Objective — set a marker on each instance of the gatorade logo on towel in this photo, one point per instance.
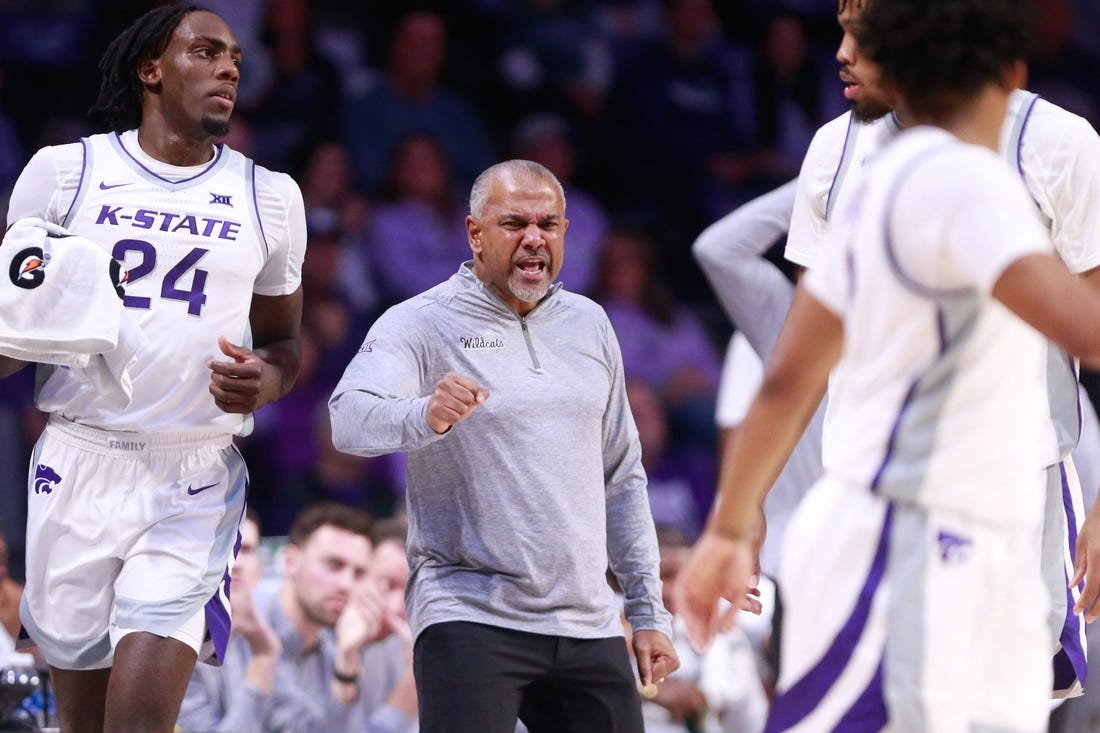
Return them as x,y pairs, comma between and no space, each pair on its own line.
27,269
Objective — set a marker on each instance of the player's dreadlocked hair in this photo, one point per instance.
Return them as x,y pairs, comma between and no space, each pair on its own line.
936,52
119,102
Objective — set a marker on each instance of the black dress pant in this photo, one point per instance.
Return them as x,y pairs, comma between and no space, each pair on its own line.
474,678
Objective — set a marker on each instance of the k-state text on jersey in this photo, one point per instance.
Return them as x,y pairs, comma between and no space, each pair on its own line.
169,221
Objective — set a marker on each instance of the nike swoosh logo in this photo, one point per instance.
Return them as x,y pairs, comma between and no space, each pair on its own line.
104,186
201,489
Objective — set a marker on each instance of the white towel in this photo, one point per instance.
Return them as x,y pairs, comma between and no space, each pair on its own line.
60,304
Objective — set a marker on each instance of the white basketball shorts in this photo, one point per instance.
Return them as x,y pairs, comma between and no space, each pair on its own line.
905,619
129,532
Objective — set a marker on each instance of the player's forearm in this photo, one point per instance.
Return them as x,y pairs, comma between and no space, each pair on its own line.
284,358
730,252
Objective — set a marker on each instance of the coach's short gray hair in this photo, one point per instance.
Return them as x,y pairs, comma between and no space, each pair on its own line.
479,192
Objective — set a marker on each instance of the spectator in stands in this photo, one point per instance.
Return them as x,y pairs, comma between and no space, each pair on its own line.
410,98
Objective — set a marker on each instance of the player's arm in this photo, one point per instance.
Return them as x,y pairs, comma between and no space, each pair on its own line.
754,293
266,372
1092,278
1039,289
794,384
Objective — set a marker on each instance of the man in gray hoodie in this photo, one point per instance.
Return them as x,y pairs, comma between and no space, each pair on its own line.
525,480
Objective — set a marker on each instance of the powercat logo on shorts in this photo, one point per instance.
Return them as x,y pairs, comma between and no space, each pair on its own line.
45,479
954,548
28,268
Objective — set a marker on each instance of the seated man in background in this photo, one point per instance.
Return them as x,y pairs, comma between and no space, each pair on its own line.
336,670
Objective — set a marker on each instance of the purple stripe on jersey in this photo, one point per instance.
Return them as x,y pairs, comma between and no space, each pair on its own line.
80,184
840,163
200,174
891,443
793,704
1074,662
868,712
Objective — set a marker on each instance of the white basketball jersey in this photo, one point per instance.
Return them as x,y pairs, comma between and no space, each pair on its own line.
196,243
942,400
1054,152
831,172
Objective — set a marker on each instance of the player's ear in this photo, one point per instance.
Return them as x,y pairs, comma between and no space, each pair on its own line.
148,72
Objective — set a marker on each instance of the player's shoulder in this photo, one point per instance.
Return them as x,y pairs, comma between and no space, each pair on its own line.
268,181
829,139
937,171
1049,124
61,157
927,150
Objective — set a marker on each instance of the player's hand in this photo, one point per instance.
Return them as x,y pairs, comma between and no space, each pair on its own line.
244,384
1086,567
655,655
718,568
455,398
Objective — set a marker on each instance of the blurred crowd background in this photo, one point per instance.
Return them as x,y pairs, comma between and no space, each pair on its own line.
659,116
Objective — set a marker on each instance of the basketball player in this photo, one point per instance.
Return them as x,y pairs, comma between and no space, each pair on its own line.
909,596
1057,154
131,530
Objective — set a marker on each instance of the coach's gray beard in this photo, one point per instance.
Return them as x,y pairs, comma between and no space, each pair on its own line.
529,294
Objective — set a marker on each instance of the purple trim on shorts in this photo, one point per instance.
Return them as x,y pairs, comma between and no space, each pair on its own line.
219,620
793,705
868,713
218,623
1070,662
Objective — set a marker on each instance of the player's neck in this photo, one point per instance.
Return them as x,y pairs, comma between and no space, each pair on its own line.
979,119
161,142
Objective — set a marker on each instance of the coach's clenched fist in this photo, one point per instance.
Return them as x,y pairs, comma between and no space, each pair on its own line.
456,396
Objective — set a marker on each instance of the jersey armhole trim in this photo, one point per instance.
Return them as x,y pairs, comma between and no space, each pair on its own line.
908,281
250,182
86,160
845,161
